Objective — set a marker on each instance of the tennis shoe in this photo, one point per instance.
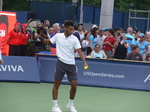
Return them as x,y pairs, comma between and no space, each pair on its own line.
56,109
71,108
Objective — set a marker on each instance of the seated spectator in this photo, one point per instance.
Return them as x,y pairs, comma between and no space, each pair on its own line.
98,53
148,57
134,55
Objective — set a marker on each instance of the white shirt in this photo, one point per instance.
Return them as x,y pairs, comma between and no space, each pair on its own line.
81,36
65,47
85,43
100,40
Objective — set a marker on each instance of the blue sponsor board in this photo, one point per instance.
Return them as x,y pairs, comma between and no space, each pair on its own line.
105,73
16,68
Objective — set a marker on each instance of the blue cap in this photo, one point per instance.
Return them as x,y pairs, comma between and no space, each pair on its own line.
141,35
105,29
122,33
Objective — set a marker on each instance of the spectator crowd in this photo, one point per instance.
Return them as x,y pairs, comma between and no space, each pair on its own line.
105,43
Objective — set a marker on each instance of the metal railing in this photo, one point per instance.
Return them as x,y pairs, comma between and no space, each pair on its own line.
135,17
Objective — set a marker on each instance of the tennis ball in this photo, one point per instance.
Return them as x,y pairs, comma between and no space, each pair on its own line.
85,67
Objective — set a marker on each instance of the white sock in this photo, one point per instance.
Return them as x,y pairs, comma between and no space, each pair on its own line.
71,101
55,103
0,55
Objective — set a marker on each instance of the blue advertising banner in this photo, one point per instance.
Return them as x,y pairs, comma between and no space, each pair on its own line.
104,73
16,68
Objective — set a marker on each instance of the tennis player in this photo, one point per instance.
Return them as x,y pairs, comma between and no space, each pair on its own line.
66,44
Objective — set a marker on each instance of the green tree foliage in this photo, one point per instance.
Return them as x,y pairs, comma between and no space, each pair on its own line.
15,5
124,5
121,5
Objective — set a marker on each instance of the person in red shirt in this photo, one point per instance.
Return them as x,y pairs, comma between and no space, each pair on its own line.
109,43
14,40
24,37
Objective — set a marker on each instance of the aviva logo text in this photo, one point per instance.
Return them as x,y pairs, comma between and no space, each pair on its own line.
147,78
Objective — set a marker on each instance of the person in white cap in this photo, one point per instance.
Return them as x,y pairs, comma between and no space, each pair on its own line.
1,60
147,35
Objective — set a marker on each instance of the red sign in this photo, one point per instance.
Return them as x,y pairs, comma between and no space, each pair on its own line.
7,21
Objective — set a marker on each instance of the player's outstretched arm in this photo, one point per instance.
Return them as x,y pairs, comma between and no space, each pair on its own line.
45,41
82,56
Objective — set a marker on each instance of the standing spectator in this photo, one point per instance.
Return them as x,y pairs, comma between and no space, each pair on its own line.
148,35
76,33
130,39
56,29
24,37
46,23
100,38
122,30
109,43
98,53
137,33
85,31
92,40
46,28
62,30
14,40
134,55
117,32
121,48
39,46
105,32
80,31
143,45
85,44
50,31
